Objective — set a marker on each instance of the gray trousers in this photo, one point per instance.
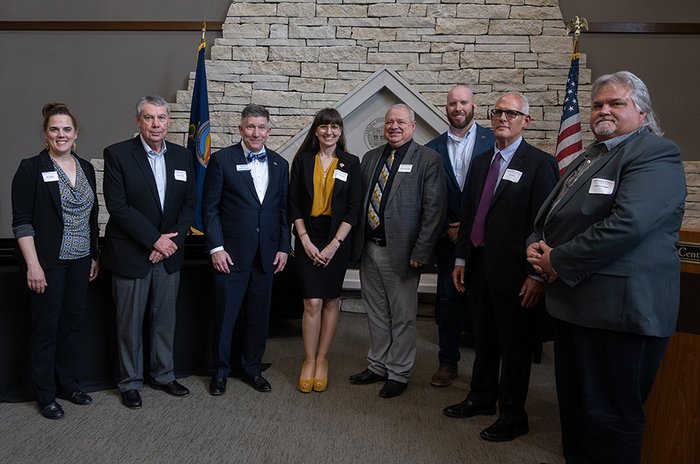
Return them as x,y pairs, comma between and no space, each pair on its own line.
131,298
392,303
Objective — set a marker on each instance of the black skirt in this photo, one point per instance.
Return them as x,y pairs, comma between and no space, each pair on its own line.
322,282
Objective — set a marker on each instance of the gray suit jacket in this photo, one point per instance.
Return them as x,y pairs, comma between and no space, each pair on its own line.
614,235
415,206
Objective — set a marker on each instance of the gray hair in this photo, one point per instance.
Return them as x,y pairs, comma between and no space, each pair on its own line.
156,100
525,108
405,107
640,95
255,111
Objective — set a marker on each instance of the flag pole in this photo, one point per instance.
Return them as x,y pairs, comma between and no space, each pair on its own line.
199,137
569,139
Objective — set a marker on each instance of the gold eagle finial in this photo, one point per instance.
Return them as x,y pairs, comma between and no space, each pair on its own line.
576,25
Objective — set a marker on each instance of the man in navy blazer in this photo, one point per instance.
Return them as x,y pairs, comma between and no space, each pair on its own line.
505,190
458,147
150,195
244,211
605,240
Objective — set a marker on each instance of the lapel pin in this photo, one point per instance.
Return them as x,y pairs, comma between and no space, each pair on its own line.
342,165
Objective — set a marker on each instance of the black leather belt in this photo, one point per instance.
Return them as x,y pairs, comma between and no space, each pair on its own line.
377,241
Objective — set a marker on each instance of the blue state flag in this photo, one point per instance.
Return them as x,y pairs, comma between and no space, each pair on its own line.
198,138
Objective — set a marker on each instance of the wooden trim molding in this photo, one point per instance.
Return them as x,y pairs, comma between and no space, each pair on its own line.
594,27
176,26
642,28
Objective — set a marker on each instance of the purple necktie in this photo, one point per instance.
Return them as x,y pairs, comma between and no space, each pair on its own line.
477,236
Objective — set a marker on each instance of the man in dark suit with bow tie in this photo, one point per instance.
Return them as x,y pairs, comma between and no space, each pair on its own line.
605,241
459,146
244,211
505,190
150,195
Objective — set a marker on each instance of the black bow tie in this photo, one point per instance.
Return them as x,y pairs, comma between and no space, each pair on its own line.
260,156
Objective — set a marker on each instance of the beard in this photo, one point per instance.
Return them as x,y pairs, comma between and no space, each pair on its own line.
604,127
468,117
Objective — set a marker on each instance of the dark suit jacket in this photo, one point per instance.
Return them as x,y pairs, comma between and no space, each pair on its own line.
233,216
510,217
345,202
38,203
136,219
415,206
484,142
614,251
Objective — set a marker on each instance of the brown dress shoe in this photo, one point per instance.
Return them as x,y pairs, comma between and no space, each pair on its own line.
443,377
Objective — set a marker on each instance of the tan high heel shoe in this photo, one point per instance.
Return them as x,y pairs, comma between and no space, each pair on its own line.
305,385
320,384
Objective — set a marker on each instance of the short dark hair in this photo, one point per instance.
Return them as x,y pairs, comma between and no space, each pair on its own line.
255,111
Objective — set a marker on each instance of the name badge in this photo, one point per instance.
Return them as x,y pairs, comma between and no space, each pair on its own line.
405,167
512,175
50,176
601,186
181,175
243,167
340,175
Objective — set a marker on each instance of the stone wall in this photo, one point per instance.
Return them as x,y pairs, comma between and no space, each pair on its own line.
296,57
691,219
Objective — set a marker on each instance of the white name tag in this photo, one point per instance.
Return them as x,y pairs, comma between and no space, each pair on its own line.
243,167
50,176
405,167
601,186
512,175
181,175
340,175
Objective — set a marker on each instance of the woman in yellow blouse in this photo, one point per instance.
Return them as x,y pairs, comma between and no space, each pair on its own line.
324,204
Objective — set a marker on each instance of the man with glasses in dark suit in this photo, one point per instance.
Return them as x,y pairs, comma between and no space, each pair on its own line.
506,188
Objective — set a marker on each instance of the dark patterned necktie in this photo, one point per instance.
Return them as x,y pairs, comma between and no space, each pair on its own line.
376,199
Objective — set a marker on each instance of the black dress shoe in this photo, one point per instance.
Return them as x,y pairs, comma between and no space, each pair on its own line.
366,377
392,388
132,399
504,431
172,388
77,397
259,383
468,408
217,386
52,410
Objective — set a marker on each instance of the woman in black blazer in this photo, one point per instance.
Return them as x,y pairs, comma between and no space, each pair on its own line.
324,204
54,219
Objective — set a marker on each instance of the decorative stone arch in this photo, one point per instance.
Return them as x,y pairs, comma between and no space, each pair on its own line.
363,114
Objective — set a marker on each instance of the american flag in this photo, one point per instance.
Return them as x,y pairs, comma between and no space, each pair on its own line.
569,141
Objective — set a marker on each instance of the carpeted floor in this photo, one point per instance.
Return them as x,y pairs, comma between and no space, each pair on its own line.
345,424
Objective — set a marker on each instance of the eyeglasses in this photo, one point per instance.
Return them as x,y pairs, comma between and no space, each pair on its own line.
510,114
329,127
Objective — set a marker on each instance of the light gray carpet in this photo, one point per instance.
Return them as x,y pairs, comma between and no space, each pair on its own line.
345,424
